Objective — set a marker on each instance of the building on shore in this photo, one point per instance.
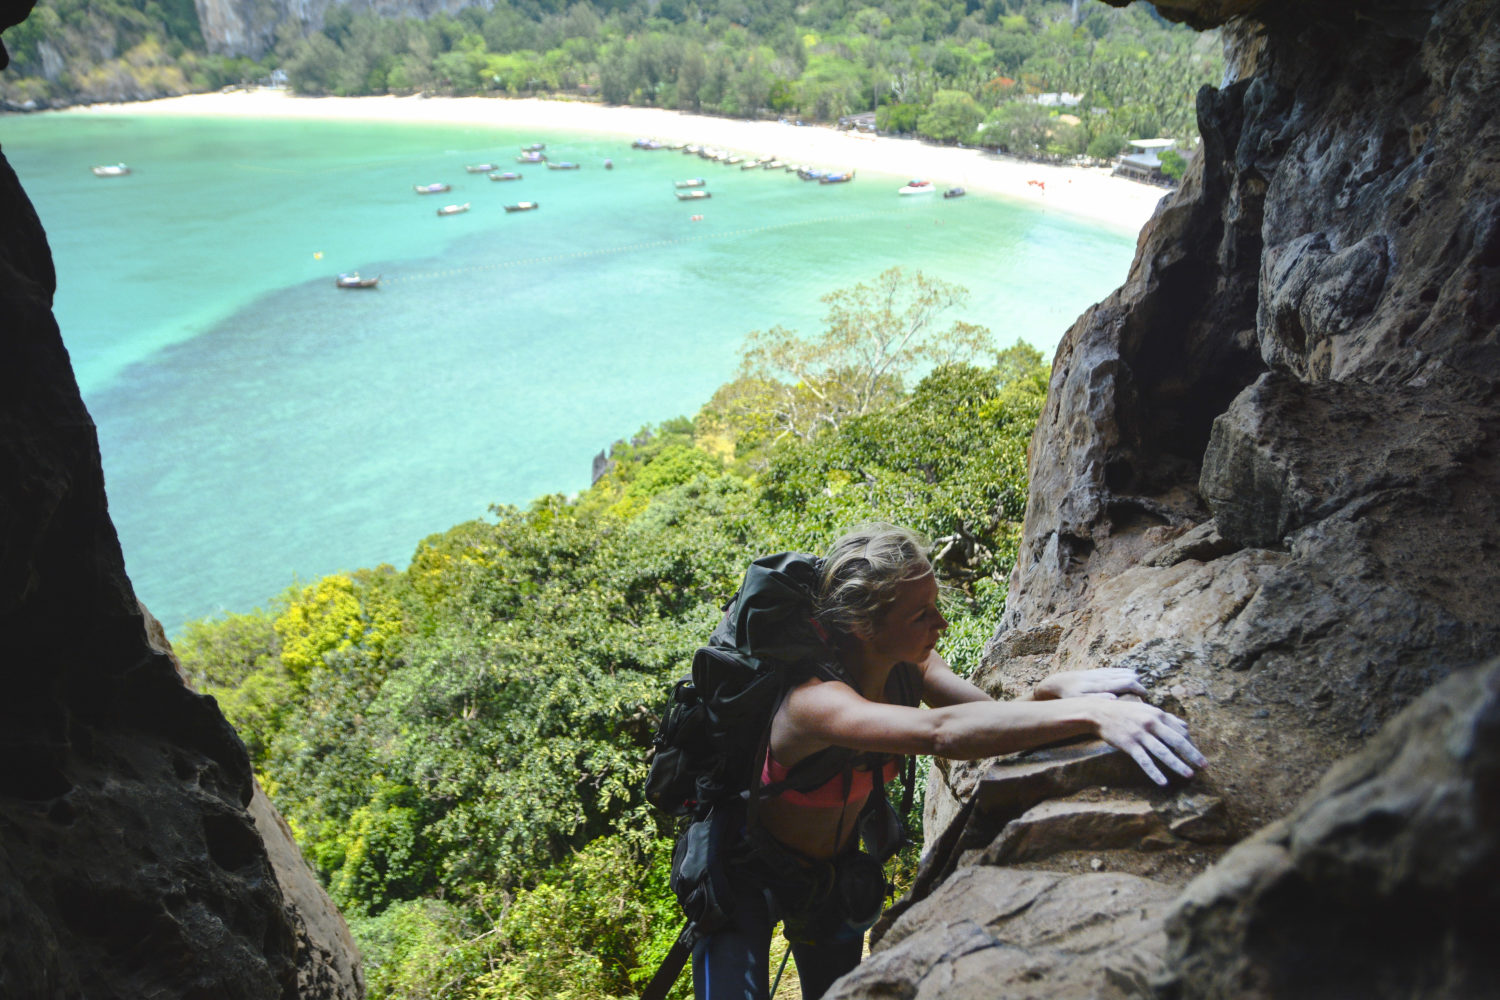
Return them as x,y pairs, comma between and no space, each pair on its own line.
1144,162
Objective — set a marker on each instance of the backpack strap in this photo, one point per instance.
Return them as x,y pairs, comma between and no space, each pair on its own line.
906,687
671,966
818,768
813,771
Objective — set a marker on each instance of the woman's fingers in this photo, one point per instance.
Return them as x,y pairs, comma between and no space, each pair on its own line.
1141,757
1119,680
1125,681
1099,680
1182,746
1175,722
1161,752
1149,736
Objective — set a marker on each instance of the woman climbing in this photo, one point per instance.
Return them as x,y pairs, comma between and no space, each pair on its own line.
796,857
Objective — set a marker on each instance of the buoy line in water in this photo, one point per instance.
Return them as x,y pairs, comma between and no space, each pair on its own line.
632,247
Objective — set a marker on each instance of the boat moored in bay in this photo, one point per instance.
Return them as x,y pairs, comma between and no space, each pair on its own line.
453,209
351,279
434,188
110,170
522,206
505,175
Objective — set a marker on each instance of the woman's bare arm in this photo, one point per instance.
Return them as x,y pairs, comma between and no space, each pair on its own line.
942,687
830,713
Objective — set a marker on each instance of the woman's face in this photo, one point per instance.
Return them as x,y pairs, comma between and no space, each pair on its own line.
912,625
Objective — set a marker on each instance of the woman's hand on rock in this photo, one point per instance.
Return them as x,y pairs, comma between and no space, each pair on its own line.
1149,736
1102,682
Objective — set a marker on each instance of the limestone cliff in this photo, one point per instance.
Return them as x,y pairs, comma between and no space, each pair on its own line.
1267,478
248,27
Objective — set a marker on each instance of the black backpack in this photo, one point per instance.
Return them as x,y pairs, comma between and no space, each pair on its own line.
713,737
713,734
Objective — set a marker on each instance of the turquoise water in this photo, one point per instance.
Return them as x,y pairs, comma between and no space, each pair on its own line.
259,426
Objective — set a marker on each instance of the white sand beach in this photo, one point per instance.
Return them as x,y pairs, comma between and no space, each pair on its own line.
1089,193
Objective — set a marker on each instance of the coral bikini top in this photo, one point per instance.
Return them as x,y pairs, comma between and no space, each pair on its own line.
903,687
830,794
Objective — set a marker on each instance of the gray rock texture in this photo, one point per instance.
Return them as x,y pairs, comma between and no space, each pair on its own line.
1383,882
130,865
328,962
990,932
248,27
1266,477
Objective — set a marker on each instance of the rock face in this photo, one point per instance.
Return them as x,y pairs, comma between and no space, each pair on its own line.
1267,478
989,932
1384,882
328,962
129,863
248,27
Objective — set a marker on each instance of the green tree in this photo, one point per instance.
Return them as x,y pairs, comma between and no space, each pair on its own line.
898,118
952,116
1017,127
1106,146
875,335
1173,164
336,615
831,87
316,65
691,73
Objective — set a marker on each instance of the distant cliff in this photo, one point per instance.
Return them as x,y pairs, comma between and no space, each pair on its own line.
248,27
1268,478
84,51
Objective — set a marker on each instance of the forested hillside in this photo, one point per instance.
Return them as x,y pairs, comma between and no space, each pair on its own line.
83,51
459,746
937,69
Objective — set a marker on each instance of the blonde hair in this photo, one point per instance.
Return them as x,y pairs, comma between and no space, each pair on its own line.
863,573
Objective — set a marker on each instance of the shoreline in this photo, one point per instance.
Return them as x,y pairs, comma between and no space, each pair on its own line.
1090,194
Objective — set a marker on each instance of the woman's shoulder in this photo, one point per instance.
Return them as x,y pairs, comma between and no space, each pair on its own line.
903,686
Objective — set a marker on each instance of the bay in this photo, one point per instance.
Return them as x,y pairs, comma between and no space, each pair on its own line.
260,427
